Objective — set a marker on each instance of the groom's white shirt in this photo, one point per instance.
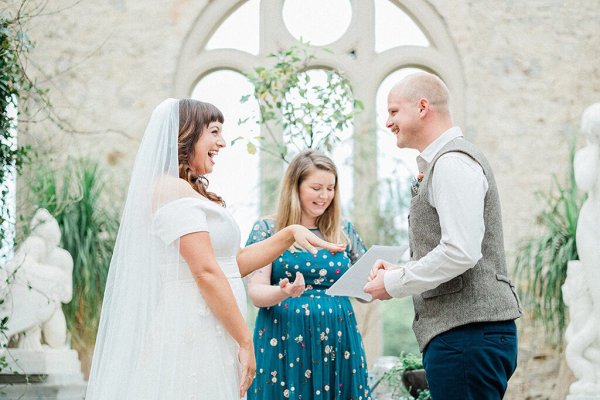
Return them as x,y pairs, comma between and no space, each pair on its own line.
457,191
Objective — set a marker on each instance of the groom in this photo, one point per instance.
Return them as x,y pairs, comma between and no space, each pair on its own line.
465,305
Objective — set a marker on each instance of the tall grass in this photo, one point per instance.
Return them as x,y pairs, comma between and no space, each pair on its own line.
541,262
88,218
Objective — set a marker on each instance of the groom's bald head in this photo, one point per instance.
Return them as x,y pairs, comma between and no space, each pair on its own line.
423,85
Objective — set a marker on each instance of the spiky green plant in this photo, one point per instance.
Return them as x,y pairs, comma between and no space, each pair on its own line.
541,262
78,199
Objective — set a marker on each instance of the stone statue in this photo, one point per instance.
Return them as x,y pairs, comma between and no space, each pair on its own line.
582,333
34,285
582,287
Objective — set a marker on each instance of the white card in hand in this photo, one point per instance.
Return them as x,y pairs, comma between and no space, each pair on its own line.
352,282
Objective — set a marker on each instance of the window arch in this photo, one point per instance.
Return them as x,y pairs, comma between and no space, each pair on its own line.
354,53
365,53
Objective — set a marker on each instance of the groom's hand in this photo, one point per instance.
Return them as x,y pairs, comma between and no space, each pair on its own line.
376,287
379,265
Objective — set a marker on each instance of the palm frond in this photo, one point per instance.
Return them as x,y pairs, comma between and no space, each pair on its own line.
541,261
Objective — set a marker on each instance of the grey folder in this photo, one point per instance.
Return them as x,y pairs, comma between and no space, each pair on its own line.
352,282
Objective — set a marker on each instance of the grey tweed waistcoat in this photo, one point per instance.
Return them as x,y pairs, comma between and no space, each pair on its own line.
484,292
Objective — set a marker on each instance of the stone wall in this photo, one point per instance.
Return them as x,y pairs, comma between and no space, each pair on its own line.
107,65
530,70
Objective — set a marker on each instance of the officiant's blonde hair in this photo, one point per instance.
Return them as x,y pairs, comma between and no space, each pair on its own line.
289,211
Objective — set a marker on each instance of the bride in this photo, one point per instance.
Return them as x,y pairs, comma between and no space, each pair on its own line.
172,324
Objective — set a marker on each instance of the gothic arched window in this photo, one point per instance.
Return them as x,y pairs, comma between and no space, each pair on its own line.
373,43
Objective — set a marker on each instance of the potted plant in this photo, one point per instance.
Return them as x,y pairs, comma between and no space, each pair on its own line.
406,377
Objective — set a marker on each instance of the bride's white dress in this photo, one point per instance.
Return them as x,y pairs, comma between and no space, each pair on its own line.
202,358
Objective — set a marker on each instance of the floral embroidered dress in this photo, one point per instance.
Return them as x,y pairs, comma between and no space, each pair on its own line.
309,347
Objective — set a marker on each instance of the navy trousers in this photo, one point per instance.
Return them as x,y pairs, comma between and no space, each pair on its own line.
471,362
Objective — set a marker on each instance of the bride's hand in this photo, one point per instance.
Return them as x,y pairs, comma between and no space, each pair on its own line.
248,366
309,241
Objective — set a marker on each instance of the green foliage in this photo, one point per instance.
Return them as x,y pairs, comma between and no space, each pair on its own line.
541,263
392,230
15,87
395,202
307,115
397,318
13,84
393,376
78,199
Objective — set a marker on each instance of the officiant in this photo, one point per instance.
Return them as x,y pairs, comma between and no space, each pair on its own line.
307,342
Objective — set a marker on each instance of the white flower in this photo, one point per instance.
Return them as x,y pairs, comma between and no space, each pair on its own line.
273,342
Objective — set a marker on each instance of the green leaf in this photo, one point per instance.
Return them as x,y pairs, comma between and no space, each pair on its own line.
541,262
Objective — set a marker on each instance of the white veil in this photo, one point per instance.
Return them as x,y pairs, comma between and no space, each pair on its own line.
132,287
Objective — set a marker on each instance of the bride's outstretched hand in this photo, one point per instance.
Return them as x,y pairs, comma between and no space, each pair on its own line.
248,366
309,241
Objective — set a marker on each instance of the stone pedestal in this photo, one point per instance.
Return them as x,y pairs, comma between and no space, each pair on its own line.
46,374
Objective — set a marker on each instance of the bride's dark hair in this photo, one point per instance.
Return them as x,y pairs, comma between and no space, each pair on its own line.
194,116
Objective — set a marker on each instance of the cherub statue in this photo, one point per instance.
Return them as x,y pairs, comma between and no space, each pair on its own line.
582,287
34,285
582,333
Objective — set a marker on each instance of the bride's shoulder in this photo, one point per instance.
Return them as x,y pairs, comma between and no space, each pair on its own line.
168,189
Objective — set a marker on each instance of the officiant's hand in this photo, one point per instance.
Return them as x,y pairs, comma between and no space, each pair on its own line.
293,289
376,287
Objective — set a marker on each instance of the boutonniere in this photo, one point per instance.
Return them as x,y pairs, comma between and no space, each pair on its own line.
416,183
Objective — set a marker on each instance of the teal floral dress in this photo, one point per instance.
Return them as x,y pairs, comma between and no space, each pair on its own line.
309,347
